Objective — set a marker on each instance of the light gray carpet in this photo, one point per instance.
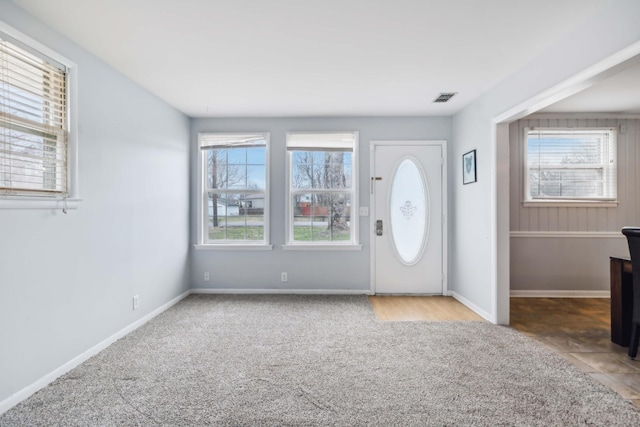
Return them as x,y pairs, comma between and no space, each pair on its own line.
319,360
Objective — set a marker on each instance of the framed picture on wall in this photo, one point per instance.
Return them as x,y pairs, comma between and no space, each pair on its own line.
469,167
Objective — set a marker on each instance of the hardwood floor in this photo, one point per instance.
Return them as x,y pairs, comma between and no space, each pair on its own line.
578,329
408,308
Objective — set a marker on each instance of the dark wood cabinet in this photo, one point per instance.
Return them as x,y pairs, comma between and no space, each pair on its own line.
621,300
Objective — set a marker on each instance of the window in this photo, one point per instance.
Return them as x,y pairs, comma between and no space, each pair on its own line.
234,206
33,122
570,165
322,193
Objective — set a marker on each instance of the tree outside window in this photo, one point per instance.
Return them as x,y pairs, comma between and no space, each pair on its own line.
321,189
235,183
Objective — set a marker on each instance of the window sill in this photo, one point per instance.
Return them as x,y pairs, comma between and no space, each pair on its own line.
26,202
570,204
303,247
233,247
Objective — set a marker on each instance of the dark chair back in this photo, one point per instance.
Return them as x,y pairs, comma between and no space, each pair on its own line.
633,238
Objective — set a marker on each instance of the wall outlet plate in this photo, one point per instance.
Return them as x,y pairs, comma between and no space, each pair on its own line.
136,302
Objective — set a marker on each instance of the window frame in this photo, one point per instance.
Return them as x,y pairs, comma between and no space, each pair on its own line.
204,243
71,199
603,202
335,245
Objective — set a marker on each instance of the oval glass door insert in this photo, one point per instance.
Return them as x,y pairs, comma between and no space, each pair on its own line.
408,216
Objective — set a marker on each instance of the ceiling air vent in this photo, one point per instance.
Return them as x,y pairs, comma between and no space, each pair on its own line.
445,97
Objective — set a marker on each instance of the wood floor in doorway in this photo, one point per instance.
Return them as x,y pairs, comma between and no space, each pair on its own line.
408,308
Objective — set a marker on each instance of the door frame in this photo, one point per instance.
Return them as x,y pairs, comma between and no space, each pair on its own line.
372,214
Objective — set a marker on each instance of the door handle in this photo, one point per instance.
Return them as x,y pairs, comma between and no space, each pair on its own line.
379,227
373,179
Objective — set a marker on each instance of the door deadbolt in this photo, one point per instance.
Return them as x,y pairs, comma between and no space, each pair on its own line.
379,227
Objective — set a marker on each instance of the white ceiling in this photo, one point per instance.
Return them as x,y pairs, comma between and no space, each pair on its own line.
243,58
618,94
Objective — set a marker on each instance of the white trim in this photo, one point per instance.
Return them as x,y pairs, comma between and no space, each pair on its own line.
200,203
545,116
559,294
445,227
73,189
230,247
568,234
25,202
23,394
500,188
231,291
355,181
321,247
568,204
471,306
445,219
372,219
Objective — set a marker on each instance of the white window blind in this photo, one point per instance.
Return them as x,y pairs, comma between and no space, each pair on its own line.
334,141
210,140
570,164
33,122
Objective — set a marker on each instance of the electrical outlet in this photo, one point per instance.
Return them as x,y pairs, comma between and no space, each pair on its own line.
206,276
136,302
283,276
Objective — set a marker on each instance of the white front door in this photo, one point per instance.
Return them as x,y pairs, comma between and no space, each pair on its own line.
407,219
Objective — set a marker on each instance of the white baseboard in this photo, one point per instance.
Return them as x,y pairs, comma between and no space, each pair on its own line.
568,234
231,291
560,294
21,395
480,312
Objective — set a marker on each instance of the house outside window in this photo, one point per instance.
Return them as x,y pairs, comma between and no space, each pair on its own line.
570,166
322,189
234,206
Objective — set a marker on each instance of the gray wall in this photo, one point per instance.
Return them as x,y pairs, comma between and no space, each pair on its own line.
479,224
67,281
555,264
543,255
307,270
